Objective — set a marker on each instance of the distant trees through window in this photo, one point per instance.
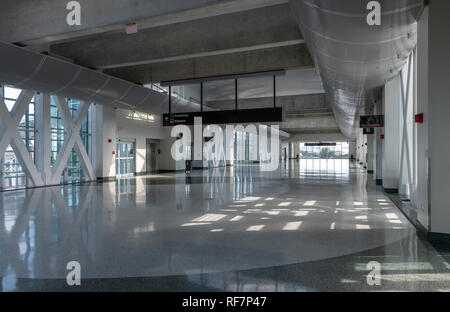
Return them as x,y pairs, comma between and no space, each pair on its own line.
340,151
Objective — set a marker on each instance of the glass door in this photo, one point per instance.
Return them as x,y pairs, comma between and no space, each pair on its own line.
125,160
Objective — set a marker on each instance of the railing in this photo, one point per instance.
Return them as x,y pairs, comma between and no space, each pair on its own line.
158,88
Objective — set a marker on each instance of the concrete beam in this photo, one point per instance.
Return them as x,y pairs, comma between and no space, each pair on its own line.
308,124
319,136
244,31
218,65
38,21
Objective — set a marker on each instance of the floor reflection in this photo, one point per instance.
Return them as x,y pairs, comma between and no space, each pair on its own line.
179,227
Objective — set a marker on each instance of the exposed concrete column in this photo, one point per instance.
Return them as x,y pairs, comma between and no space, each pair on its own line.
352,148
281,150
434,92
378,147
104,134
364,150
296,149
284,146
361,149
378,158
392,143
43,134
370,153
358,148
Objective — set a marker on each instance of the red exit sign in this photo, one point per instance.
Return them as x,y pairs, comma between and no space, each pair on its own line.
132,28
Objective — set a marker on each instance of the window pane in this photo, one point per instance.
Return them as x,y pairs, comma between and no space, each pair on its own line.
220,94
255,92
12,93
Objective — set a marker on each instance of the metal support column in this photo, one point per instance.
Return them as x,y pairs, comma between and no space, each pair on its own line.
236,93
201,96
170,99
274,91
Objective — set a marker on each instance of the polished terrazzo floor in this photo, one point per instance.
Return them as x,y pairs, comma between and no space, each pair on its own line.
310,226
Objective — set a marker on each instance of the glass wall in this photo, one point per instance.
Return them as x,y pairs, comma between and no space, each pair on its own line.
255,92
11,172
340,151
220,94
325,161
157,87
125,159
12,175
74,172
244,147
187,96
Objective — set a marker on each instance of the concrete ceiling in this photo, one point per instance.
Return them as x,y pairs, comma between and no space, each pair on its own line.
260,39
22,20
182,39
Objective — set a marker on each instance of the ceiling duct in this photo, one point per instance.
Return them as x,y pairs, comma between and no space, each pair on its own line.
354,59
26,69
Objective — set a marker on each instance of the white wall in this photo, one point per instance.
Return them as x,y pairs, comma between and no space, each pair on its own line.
167,163
103,130
432,149
439,114
392,143
112,124
420,189
140,131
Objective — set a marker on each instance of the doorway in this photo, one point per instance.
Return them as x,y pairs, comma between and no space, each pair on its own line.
151,157
126,158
